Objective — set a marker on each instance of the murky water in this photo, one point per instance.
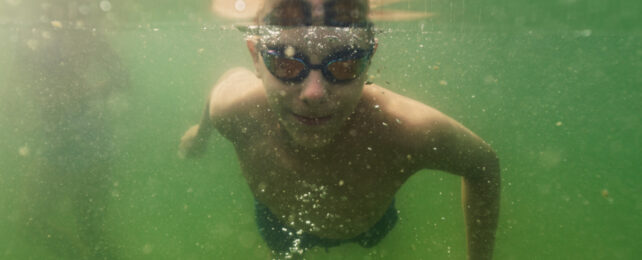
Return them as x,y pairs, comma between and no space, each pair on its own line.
554,86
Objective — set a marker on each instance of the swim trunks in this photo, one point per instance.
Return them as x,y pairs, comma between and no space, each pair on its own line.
282,239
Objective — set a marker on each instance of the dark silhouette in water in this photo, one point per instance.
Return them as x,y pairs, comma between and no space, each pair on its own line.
63,75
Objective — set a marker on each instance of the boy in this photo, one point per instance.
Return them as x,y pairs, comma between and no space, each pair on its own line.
324,151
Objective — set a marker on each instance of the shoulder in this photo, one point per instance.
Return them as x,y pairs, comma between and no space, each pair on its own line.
412,115
436,140
235,91
411,125
235,98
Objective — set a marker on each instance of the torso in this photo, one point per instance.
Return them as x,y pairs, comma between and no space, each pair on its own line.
338,192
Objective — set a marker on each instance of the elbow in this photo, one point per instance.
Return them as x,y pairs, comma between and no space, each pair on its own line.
490,171
492,162
487,168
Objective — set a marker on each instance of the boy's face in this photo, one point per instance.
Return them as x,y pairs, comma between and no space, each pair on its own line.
313,73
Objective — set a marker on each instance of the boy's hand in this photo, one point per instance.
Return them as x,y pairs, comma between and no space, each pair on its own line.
191,145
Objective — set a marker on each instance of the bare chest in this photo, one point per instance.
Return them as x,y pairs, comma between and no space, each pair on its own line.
336,194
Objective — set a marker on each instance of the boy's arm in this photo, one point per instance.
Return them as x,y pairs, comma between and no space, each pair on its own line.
480,202
457,150
194,141
237,90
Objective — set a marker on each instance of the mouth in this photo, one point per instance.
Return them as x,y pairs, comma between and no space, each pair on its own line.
312,121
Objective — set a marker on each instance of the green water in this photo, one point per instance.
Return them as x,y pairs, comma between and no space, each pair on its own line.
554,86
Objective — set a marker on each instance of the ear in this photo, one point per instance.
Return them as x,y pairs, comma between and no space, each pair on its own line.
374,49
251,46
376,44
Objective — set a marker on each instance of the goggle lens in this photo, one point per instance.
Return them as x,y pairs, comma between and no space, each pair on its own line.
282,67
347,69
339,67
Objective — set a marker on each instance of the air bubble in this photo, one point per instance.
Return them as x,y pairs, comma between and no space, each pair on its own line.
105,6
289,51
239,5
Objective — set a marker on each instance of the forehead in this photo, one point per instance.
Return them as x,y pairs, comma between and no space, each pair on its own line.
317,39
340,13
270,3
274,3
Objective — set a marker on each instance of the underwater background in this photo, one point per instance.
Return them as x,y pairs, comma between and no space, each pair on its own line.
555,86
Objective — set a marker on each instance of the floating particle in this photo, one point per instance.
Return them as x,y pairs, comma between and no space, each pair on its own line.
559,123
105,6
46,35
443,82
24,151
33,44
147,249
56,23
605,193
239,5
289,51
490,79
584,33
14,2
84,9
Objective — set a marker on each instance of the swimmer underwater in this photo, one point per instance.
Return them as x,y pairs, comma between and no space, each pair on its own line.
322,150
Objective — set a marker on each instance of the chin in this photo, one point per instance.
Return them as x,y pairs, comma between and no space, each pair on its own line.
313,140
312,135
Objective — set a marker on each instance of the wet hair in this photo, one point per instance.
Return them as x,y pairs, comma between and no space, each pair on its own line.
337,13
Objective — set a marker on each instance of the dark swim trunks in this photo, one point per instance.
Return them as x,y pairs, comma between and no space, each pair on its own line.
283,239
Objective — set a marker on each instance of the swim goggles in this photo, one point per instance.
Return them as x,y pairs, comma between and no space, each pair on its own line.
350,51
339,67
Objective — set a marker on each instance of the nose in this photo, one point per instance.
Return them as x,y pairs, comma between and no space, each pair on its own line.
314,90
